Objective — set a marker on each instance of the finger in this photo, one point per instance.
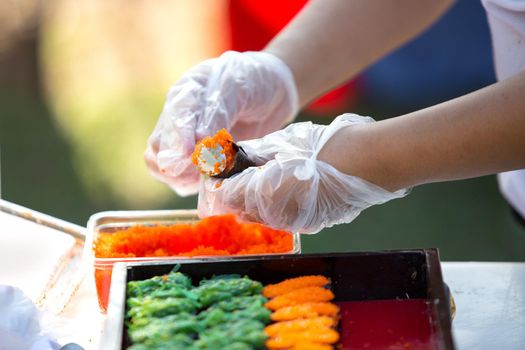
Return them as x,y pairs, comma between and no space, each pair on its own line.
220,196
150,156
261,194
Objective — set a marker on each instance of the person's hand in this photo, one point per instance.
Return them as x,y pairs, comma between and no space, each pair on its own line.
250,94
22,324
291,189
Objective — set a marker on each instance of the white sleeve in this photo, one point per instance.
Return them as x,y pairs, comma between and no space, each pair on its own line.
507,26
512,186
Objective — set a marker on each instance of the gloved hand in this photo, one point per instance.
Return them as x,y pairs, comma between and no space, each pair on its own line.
250,94
292,190
20,323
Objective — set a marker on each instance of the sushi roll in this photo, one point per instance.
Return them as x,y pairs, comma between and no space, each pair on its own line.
218,156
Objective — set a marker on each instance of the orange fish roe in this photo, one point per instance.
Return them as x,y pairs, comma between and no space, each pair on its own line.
288,285
306,310
299,296
222,138
299,325
311,346
312,335
216,235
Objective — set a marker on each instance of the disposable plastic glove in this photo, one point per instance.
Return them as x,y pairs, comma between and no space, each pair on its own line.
293,190
250,94
20,323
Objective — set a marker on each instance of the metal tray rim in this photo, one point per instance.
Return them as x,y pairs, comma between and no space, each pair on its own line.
68,276
154,215
112,336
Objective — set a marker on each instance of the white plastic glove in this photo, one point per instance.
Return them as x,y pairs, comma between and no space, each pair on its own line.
20,323
250,94
293,190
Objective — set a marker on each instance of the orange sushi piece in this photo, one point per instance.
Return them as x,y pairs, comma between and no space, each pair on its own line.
223,139
300,325
314,335
312,346
306,310
291,284
299,296
308,346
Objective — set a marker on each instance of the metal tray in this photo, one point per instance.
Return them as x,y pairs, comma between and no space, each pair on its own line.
382,275
111,221
69,274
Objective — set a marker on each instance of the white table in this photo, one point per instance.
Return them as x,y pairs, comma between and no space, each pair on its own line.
81,321
490,302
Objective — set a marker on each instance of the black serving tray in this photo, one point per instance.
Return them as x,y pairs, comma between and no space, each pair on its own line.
402,274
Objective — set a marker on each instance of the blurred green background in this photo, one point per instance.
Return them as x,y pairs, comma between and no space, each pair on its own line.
82,84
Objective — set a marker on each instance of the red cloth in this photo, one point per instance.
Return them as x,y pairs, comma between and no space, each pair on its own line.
254,23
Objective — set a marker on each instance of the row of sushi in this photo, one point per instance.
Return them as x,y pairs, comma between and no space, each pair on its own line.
230,312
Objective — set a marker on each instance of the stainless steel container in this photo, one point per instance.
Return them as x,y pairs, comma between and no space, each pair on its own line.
111,221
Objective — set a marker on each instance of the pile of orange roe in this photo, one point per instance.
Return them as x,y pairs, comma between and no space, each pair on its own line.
215,235
222,138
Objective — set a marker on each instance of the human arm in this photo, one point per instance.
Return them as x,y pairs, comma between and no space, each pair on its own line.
315,176
477,134
331,41
252,94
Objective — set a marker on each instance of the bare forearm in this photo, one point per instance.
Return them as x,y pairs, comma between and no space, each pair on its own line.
478,134
331,41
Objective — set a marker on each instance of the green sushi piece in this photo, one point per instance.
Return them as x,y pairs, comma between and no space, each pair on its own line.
218,289
215,315
150,307
223,312
221,336
220,346
176,341
164,329
172,281
243,302
231,276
